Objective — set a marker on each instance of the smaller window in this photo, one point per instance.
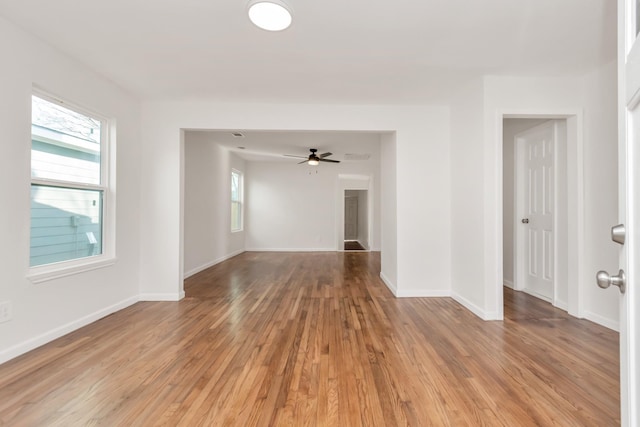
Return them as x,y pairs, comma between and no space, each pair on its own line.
67,183
70,194
236,200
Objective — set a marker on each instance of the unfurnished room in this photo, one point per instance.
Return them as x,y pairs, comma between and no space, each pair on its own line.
279,212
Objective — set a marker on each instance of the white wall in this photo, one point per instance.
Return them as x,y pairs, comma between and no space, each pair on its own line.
291,207
208,239
422,135
388,211
601,192
44,311
511,127
467,198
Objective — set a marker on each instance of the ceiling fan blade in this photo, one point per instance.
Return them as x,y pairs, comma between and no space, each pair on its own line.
293,155
304,161
323,155
329,160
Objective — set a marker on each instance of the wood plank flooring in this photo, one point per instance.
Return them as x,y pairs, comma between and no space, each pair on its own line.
315,339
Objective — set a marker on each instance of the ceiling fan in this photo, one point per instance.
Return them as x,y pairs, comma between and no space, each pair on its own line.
314,159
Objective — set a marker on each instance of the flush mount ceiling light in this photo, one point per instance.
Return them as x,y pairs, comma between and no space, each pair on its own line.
270,15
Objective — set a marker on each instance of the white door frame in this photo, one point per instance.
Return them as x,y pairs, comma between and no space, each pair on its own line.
575,195
351,182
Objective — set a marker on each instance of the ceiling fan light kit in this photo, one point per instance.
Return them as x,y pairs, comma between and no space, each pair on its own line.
313,159
270,15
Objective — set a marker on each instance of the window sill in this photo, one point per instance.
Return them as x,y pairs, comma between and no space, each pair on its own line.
57,271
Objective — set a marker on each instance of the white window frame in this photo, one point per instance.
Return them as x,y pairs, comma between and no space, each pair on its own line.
240,200
47,272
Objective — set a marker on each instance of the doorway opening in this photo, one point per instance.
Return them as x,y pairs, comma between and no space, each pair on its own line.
535,208
356,220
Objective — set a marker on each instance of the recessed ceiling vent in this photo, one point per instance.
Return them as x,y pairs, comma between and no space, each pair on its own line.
357,156
237,135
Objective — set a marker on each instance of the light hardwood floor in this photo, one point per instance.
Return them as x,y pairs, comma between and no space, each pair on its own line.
316,339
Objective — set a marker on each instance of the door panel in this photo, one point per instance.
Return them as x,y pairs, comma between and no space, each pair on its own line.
538,208
629,205
632,261
351,218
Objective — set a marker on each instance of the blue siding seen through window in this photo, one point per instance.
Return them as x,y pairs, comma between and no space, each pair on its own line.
65,224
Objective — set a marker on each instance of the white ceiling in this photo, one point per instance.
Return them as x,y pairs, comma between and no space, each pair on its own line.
272,145
336,51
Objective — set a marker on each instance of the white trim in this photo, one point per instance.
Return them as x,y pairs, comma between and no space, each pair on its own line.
478,311
290,249
203,267
49,272
162,297
562,305
423,293
70,185
602,321
47,337
508,283
536,295
413,293
346,182
392,287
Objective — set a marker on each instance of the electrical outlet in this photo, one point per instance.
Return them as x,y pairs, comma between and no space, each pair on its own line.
6,311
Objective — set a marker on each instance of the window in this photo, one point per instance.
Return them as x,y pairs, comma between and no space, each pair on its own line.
236,200
68,183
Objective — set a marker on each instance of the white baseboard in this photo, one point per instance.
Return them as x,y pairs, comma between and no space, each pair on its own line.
423,293
537,295
212,263
389,284
561,305
33,343
484,315
162,297
508,283
290,249
413,293
602,321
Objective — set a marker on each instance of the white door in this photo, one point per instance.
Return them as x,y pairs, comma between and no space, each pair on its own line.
351,218
535,187
629,194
